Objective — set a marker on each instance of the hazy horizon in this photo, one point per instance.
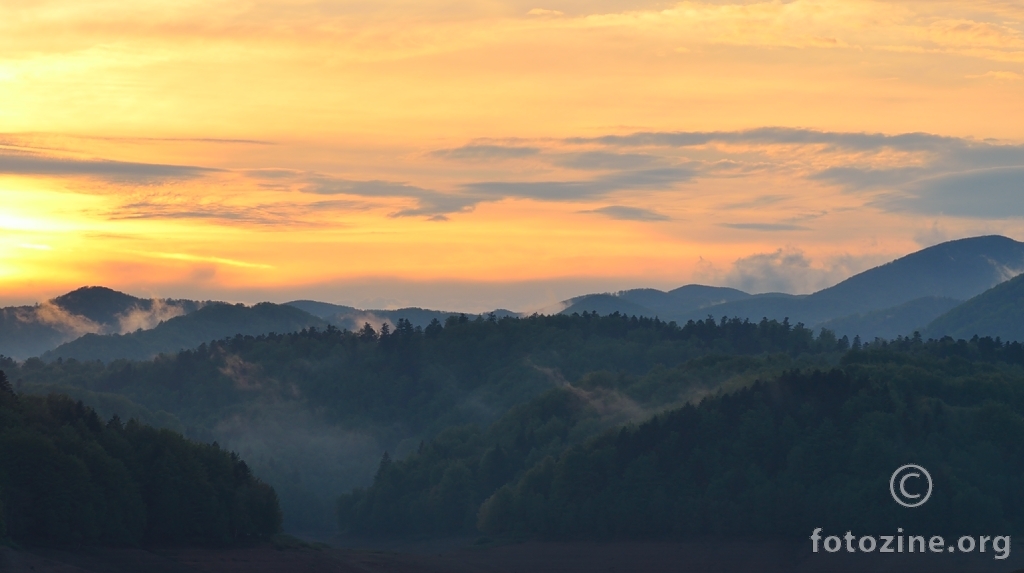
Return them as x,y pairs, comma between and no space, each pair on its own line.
785,271
276,150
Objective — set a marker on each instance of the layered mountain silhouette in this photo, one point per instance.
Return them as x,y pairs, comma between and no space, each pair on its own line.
888,300
212,322
31,330
351,318
888,323
653,302
894,299
998,311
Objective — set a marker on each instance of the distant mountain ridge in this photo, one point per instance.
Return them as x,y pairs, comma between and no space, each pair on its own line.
351,318
896,298
888,323
937,277
212,322
997,312
653,302
31,330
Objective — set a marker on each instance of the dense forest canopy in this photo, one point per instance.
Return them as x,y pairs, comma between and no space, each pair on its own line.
313,410
412,375
67,476
797,451
581,426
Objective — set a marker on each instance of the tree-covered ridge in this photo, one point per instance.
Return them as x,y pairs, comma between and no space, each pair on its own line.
212,321
66,476
395,387
800,450
812,449
996,312
412,374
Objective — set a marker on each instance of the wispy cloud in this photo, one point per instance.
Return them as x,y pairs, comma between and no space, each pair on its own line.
765,226
38,164
661,178
253,214
913,172
788,270
486,152
861,178
437,205
772,136
206,259
430,203
984,194
754,202
604,160
624,213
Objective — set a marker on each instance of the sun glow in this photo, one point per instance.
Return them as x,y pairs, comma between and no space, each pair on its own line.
224,147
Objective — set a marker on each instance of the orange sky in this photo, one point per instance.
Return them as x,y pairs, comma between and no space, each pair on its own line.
475,154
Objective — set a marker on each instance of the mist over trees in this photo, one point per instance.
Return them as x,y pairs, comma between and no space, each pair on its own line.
313,410
508,425
803,449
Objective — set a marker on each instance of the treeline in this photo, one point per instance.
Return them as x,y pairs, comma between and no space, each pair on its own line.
399,385
801,450
438,489
67,476
411,375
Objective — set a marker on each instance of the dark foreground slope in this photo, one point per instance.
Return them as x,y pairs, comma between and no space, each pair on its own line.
68,477
705,555
998,311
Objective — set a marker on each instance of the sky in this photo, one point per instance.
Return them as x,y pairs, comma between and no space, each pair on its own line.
480,154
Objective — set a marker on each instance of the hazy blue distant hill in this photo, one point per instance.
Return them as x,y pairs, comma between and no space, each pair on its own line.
951,271
672,305
754,307
32,330
700,295
902,320
607,304
956,269
23,333
998,311
98,304
355,319
212,322
351,318
321,309
877,302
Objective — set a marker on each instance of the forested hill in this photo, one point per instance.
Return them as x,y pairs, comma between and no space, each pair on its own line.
313,410
998,311
66,476
213,321
31,330
420,378
896,298
801,450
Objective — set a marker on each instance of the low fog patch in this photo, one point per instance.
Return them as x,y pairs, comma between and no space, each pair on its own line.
147,318
307,461
49,314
